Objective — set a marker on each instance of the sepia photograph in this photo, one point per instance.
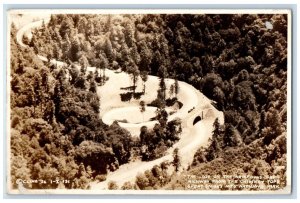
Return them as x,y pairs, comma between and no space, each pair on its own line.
158,101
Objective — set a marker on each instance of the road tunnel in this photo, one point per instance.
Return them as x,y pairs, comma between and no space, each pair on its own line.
197,119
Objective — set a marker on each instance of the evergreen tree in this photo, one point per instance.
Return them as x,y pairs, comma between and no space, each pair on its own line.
133,70
103,65
176,87
142,108
93,86
176,159
108,50
83,64
144,77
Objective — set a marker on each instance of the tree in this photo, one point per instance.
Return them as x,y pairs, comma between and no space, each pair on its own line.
82,25
134,54
152,179
162,90
66,26
162,73
176,87
90,76
103,65
124,58
57,52
176,159
66,46
217,127
142,181
127,186
232,136
74,74
112,185
80,81
134,72
98,76
83,63
219,97
75,49
96,155
156,62
37,92
216,143
129,33
90,29
25,40
108,50
209,82
93,86
145,56
272,126
142,108
171,90
144,76
243,96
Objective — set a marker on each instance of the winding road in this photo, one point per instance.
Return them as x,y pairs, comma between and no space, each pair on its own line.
192,137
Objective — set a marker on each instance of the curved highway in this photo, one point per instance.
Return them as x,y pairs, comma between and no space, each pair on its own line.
192,137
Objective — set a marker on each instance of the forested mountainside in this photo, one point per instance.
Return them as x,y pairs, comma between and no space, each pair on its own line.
238,61
56,132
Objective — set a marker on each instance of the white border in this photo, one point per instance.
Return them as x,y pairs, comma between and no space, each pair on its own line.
152,11
158,11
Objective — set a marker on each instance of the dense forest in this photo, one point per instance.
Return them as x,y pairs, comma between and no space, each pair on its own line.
235,60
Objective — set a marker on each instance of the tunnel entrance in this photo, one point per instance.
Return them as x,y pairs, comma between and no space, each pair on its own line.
197,119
